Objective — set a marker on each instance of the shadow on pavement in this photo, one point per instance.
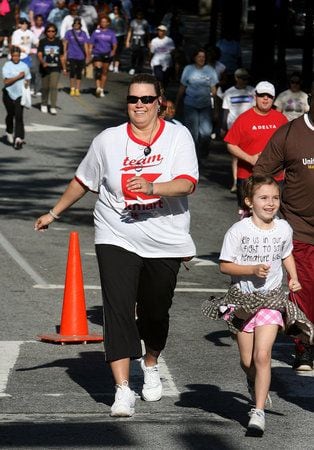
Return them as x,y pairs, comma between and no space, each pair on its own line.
89,370
76,435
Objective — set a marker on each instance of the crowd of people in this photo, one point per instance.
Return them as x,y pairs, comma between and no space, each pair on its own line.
142,217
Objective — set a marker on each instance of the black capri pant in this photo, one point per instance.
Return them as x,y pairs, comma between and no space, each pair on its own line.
135,286
14,120
76,67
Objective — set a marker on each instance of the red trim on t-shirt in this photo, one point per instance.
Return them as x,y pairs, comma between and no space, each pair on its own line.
84,185
138,141
187,177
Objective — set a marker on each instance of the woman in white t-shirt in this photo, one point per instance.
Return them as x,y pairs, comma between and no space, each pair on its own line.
143,172
25,39
161,48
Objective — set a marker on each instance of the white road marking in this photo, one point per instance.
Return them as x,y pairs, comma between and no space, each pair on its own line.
37,127
9,352
96,287
18,258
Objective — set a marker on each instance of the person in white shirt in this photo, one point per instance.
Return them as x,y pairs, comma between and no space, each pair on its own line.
161,48
67,22
292,102
25,39
143,171
236,100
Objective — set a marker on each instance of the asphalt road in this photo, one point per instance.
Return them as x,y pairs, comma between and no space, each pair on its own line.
54,396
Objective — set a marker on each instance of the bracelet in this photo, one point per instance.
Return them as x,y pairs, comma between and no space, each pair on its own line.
151,189
54,215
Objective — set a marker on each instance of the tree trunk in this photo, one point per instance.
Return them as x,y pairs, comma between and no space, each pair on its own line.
263,41
307,60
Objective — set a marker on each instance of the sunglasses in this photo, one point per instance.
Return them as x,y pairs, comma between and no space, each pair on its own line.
265,95
145,99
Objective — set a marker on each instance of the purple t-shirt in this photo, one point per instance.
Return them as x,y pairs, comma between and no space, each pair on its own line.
75,49
42,7
103,41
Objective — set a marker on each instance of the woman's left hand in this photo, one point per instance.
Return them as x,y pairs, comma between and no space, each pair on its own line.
139,184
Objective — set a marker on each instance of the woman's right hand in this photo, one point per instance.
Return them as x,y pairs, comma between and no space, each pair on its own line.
43,222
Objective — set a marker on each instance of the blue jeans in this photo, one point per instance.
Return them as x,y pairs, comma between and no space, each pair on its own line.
199,122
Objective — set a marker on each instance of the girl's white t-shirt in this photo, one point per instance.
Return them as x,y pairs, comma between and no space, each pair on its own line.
150,226
246,244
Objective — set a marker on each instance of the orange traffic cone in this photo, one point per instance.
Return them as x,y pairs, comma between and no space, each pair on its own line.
74,327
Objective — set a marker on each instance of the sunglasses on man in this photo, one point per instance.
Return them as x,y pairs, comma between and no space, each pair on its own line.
264,95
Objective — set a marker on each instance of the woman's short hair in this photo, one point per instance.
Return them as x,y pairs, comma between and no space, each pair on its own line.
77,20
50,25
147,78
103,16
196,52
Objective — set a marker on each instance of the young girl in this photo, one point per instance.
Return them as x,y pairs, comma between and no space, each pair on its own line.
252,252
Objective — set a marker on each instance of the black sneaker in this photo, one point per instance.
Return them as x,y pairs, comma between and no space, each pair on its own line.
303,358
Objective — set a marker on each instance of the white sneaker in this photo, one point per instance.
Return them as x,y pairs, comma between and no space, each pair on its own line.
131,71
111,67
257,421
124,401
116,69
101,93
44,109
53,111
152,387
10,138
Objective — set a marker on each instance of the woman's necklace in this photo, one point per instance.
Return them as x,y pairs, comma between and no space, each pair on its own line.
147,150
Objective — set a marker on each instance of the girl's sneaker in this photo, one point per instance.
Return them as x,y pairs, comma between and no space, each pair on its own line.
124,401
72,92
256,424
77,92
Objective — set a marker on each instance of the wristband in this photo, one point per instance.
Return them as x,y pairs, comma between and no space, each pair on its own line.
54,215
151,189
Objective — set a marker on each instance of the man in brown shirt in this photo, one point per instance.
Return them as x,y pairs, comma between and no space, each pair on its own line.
292,148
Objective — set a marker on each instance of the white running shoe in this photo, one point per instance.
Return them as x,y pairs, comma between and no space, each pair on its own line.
101,93
116,69
124,401
44,109
152,387
111,67
53,111
257,421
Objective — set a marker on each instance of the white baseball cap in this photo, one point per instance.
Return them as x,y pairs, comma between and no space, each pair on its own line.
162,28
264,87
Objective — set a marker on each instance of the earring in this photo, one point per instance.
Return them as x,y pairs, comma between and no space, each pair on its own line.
158,109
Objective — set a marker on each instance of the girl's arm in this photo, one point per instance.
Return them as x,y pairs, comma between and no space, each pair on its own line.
233,269
289,265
